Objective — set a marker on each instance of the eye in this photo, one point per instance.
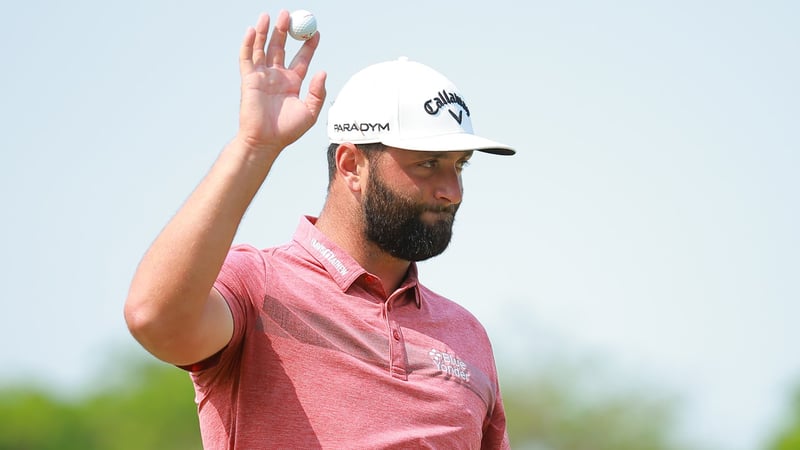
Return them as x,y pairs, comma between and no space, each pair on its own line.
462,164
429,164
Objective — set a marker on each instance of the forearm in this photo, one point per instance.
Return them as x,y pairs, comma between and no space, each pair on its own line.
175,276
171,308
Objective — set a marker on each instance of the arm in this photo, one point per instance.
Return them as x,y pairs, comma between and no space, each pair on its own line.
172,309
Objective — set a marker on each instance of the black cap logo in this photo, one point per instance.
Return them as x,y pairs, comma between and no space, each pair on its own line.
444,99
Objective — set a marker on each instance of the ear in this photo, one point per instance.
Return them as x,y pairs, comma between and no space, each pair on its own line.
351,166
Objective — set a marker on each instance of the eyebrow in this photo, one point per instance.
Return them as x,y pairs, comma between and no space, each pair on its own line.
465,153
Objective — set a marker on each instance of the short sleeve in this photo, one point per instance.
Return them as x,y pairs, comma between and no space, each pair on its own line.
241,283
495,436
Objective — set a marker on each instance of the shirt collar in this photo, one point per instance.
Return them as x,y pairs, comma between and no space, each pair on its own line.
342,268
412,282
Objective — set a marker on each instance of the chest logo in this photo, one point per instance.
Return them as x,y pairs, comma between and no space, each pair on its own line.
450,365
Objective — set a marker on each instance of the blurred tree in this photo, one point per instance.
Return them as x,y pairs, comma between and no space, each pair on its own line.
789,437
144,405
32,419
566,407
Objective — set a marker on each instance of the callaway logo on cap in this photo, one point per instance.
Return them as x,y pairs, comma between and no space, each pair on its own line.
407,105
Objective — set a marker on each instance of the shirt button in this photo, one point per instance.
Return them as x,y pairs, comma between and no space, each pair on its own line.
396,335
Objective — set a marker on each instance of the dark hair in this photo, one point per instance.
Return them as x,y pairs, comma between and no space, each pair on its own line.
368,149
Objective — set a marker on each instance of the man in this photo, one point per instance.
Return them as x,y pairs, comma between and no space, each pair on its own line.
328,341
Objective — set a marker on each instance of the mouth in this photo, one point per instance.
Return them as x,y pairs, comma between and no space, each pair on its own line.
438,214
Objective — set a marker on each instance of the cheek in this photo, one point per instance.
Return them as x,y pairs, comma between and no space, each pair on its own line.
405,185
414,192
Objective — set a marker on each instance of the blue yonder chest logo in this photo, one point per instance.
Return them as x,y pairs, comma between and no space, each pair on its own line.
449,365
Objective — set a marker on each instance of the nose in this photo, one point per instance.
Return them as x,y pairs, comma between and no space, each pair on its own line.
449,187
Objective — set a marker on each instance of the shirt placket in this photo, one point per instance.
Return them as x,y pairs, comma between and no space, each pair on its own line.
398,358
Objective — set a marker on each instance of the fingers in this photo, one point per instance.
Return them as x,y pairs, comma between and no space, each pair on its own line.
315,99
276,54
302,59
261,38
246,52
252,55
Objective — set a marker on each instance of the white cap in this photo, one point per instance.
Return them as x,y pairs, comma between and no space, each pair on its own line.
407,105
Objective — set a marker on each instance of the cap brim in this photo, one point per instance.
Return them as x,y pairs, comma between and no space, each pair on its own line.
450,143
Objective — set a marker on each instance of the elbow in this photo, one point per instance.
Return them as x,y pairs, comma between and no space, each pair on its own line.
138,318
146,324
158,325
145,314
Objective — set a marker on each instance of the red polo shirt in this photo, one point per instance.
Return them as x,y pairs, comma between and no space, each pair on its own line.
321,357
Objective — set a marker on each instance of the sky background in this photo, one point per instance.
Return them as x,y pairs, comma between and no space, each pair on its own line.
649,220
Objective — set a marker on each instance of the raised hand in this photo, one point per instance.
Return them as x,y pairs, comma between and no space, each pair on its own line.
272,115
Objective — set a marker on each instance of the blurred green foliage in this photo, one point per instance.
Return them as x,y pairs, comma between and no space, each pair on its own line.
572,407
789,436
145,404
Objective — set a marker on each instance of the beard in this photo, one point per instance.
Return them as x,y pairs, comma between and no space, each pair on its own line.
394,223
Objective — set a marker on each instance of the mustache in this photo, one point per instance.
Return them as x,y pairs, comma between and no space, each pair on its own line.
451,209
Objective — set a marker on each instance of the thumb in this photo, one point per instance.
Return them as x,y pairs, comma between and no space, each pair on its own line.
315,99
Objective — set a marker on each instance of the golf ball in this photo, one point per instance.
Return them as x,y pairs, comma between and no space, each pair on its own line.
302,25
